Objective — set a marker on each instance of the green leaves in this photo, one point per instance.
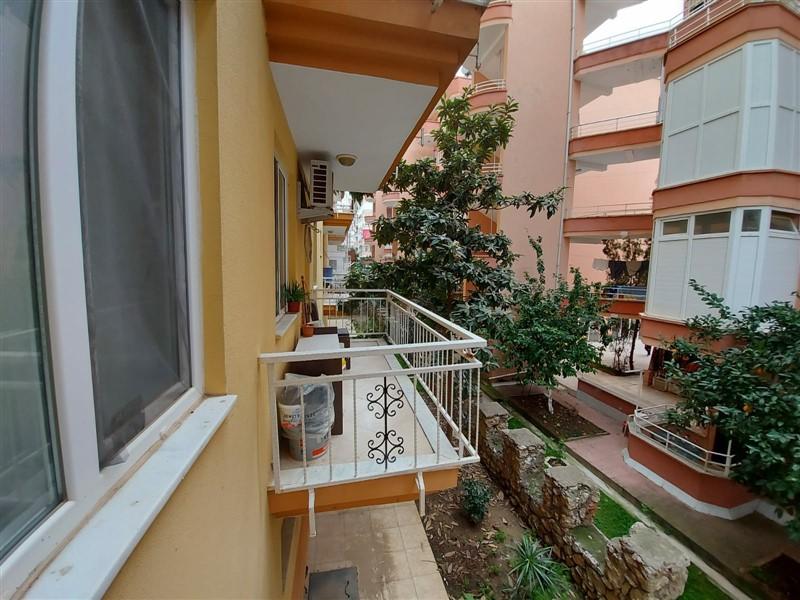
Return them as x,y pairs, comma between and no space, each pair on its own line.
749,389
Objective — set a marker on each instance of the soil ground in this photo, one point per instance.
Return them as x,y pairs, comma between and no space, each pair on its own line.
472,559
565,423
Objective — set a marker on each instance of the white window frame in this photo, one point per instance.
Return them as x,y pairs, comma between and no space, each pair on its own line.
282,220
87,486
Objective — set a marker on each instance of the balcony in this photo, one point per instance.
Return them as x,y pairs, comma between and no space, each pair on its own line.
592,224
715,11
488,92
409,399
494,166
498,11
676,459
613,141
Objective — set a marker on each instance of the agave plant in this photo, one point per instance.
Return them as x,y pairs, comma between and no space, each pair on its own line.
535,574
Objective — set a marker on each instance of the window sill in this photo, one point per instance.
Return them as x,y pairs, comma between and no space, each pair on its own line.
89,563
284,323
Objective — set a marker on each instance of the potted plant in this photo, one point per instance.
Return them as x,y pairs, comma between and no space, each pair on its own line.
295,294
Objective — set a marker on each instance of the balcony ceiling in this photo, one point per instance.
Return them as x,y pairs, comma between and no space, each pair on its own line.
601,82
331,112
361,77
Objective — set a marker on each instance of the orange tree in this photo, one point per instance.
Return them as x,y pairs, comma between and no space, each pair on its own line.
749,390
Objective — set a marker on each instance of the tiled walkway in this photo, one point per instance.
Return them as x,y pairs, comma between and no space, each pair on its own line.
388,546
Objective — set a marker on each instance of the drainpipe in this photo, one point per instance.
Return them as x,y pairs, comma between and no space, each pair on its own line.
571,84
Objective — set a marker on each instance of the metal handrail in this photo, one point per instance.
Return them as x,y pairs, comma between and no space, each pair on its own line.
682,25
431,378
495,167
644,119
645,423
631,36
713,12
490,85
610,210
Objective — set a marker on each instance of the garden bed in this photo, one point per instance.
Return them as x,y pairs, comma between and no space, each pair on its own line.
564,424
473,560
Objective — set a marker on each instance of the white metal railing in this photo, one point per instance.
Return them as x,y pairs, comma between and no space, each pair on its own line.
495,167
611,210
644,119
417,385
713,12
625,292
335,280
648,425
633,35
490,85
682,25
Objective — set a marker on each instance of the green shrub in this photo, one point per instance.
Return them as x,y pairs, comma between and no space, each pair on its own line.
475,497
515,423
500,536
535,574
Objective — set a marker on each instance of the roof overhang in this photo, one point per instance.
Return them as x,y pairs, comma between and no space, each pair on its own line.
360,77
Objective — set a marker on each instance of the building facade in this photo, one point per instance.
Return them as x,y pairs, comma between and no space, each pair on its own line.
156,186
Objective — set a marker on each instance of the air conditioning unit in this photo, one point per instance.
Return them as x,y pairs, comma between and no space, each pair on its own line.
316,201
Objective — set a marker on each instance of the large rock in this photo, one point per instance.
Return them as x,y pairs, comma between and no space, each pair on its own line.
653,566
523,454
570,496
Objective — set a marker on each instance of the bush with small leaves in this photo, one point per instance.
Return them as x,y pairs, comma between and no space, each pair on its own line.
535,574
475,497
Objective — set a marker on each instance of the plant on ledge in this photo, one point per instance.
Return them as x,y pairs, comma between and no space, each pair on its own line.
294,294
745,380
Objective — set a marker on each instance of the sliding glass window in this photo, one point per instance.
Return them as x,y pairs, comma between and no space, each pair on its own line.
30,474
130,155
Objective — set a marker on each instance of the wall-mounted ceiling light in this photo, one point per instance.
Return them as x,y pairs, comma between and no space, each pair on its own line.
346,160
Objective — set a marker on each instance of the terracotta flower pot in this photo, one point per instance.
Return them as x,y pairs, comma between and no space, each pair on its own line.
293,307
307,330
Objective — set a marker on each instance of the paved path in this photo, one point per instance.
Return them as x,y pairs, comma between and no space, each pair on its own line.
388,546
732,546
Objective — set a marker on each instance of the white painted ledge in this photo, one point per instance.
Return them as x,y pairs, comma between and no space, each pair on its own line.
89,563
284,323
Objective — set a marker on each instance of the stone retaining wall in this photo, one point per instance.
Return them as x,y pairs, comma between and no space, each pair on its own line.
559,503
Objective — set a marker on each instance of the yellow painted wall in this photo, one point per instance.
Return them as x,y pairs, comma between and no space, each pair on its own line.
215,538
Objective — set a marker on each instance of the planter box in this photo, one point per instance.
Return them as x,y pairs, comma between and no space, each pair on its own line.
660,383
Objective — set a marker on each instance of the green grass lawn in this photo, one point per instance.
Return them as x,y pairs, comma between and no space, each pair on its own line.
611,518
700,587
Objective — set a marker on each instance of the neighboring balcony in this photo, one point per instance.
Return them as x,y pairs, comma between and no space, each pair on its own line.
494,166
625,300
677,460
488,92
406,403
715,11
613,141
498,11
605,221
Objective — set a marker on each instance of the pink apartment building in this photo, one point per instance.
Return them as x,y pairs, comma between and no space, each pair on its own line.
685,132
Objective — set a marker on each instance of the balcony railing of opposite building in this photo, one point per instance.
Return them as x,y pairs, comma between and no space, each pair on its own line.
712,12
611,210
616,124
495,167
625,292
409,399
490,85
681,26
648,425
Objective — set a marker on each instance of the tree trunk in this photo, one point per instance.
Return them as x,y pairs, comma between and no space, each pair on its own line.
636,325
550,406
